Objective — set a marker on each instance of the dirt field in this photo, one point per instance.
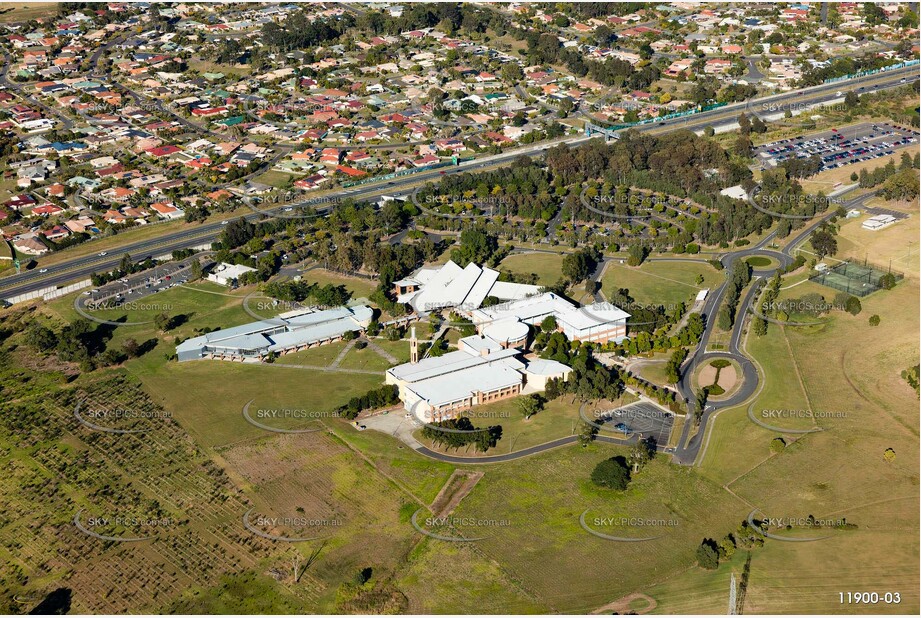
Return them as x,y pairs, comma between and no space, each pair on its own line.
636,603
459,485
707,375
727,378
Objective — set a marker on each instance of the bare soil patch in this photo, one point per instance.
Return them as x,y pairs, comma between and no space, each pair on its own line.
728,378
460,483
628,605
707,376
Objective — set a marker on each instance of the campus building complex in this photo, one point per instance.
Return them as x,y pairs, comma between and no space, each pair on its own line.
480,371
598,322
280,335
490,365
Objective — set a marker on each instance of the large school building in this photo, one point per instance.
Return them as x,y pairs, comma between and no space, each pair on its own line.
280,335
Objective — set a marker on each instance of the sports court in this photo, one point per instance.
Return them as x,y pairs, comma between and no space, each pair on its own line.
859,279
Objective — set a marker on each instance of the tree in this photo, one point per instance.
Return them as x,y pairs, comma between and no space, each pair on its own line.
851,99
726,547
708,556
744,124
195,270
476,246
642,453
41,337
579,266
743,146
724,318
852,305
530,405
636,253
548,324
887,281
700,398
824,243
874,320
587,433
889,455
131,347
163,322
778,445
612,473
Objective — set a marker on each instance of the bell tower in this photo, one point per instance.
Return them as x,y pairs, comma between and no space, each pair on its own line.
413,346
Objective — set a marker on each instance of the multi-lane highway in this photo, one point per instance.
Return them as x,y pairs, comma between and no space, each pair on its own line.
81,267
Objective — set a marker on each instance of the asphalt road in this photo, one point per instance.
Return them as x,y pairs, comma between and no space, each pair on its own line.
688,450
533,450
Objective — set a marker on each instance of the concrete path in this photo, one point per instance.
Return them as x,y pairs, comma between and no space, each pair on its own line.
341,356
390,358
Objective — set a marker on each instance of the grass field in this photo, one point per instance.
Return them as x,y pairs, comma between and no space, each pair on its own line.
661,283
547,267
13,12
561,564
320,356
275,179
366,359
360,288
399,348
898,243
558,419
847,374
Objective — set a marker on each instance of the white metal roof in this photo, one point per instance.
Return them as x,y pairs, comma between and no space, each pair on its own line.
446,389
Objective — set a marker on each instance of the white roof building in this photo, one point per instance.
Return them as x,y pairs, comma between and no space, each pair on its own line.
279,335
878,222
599,322
450,286
228,274
480,371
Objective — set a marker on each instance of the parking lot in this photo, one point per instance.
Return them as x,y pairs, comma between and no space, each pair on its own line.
137,286
837,148
641,419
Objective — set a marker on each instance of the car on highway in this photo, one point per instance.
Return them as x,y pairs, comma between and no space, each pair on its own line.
103,253
224,222
43,270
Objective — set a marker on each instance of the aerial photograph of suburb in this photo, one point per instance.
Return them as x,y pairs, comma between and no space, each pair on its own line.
487,308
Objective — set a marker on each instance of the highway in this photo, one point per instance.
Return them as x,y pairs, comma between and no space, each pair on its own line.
81,267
